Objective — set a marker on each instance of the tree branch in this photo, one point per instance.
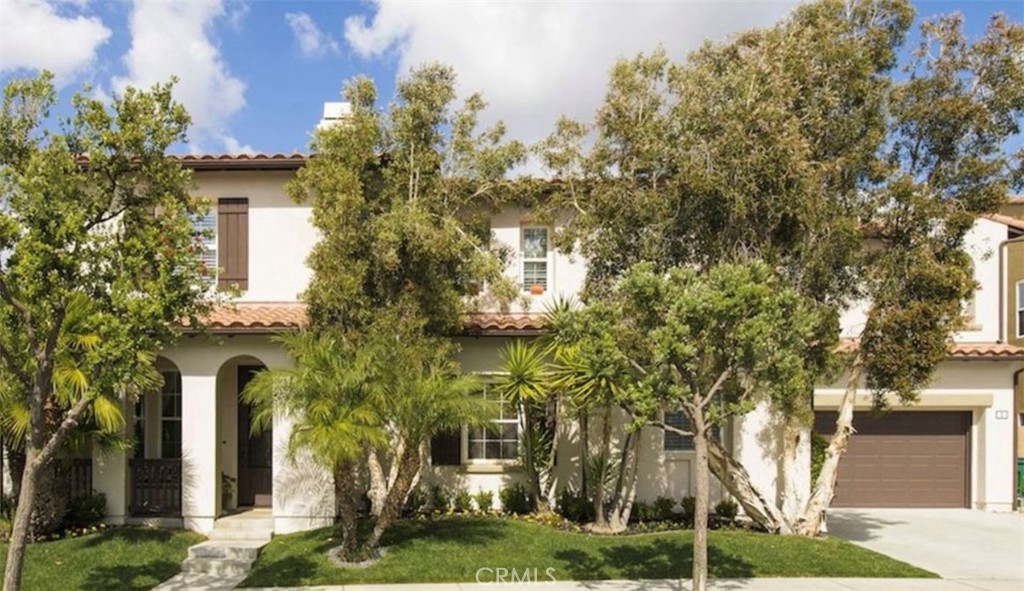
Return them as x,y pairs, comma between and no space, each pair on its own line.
69,422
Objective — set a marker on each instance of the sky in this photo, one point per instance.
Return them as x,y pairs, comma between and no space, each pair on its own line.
254,74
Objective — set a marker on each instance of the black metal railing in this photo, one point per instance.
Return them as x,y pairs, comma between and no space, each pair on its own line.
155,487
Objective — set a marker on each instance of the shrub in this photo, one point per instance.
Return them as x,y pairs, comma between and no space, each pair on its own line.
86,510
662,510
689,505
819,443
464,501
514,499
415,502
484,500
439,498
574,506
642,512
727,509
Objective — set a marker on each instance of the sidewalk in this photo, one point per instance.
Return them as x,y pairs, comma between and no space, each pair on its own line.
764,584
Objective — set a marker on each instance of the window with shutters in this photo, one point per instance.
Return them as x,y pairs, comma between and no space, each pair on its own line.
534,250
233,243
499,440
674,442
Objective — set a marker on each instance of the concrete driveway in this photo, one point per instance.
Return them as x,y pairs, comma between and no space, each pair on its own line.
953,543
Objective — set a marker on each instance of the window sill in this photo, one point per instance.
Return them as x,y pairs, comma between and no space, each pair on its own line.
679,455
490,468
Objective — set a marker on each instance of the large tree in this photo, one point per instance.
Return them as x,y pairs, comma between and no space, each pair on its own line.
100,263
800,146
401,197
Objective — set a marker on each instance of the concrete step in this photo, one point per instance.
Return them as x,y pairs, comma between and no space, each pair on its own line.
221,567
245,550
240,535
193,582
244,522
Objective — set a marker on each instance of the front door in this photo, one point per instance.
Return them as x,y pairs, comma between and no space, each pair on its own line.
255,452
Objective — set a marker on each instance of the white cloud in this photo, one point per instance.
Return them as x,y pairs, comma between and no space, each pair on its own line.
178,39
535,61
312,41
237,12
39,35
233,146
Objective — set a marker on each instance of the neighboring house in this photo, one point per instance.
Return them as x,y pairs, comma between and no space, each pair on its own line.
1012,214
197,459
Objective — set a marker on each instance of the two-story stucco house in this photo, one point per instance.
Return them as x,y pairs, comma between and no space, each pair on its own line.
197,460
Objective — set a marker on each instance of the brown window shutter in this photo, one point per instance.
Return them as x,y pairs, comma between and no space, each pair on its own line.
446,449
233,242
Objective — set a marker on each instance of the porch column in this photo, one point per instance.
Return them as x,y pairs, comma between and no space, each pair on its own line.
110,477
200,475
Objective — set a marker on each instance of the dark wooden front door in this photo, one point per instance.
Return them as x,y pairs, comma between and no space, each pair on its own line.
903,459
255,452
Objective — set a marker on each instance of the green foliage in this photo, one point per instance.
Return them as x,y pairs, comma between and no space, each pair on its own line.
86,510
440,500
463,501
514,499
727,509
663,509
415,502
484,500
574,505
819,443
688,507
400,197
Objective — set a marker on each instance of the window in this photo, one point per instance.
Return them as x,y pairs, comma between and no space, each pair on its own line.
140,427
1020,309
674,441
499,440
206,235
535,258
170,416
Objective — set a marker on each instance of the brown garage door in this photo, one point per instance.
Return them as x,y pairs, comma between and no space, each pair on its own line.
903,459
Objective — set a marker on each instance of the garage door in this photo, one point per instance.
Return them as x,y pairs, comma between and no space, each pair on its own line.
903,459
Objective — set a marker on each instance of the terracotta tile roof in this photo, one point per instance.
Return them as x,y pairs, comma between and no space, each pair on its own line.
963,350
1006,220
262,317
257,317
242,161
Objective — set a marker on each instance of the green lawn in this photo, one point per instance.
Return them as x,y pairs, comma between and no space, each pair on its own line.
124,558
451,550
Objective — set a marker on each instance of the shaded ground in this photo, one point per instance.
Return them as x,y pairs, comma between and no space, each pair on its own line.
450,550
955,543
126,558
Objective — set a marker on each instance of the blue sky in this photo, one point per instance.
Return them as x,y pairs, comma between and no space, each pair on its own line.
255,73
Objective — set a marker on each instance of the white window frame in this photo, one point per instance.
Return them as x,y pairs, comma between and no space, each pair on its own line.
1020,309
169,390
546,259
502,420
209,255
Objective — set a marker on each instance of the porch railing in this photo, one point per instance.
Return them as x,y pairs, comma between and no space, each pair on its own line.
156,487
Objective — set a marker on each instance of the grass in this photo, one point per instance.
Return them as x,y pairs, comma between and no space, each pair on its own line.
451,550
127,558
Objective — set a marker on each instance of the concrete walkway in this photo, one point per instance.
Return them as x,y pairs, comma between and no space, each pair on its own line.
718,585
957,544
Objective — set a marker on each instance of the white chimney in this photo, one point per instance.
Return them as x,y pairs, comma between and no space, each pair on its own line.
334,113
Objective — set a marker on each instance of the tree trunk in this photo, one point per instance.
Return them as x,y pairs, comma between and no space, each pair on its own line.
378,489
735,478
51,500
22,520
700,511
530,456
625,494
600,515
408,467
792,493
810,523
584,453
345,502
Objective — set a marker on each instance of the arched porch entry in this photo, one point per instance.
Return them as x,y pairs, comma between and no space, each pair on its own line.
246,458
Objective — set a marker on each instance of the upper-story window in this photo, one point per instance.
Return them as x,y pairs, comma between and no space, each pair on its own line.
1020,309
676,442
535,258
206,233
